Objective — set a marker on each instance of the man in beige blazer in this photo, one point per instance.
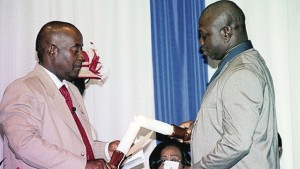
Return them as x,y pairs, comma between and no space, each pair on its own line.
236,126
38,128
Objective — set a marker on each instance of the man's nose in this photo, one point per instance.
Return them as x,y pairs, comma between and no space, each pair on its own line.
81,57
201,42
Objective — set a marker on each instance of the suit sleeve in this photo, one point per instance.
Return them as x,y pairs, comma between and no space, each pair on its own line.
242,98
21,121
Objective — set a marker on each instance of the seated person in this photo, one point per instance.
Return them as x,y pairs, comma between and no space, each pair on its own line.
170,151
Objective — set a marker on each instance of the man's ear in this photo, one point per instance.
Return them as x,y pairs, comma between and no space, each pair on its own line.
226,32
52,51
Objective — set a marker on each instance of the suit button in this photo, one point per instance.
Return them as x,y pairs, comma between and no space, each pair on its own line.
82,154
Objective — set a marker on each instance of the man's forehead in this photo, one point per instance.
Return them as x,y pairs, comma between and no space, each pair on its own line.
211,21
205,22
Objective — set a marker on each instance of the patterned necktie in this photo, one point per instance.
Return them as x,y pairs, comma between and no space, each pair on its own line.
89,151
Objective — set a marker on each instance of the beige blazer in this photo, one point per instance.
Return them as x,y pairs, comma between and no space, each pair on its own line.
236,126
39,130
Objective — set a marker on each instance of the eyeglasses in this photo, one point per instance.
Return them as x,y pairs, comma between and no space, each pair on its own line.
170,158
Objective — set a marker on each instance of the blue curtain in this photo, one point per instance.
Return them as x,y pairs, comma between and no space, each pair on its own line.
180,71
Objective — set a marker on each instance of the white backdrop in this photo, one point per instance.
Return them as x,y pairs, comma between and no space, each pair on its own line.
121,31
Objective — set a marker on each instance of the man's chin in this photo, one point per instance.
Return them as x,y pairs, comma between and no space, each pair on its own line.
73,76
205,53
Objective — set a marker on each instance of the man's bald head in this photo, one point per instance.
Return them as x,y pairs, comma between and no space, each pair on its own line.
221,28
48,33
226,13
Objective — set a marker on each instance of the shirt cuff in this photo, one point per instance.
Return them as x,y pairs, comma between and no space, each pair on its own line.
106,152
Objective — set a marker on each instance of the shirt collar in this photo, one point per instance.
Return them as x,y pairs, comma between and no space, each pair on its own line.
56,81
230,56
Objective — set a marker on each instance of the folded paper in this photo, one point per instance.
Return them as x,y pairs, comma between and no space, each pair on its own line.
162,128
155,125
124,145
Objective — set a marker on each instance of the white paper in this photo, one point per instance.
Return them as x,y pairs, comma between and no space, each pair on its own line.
155,125
134,160
128,138
140,144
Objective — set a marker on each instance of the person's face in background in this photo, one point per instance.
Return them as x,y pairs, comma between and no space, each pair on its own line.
171,153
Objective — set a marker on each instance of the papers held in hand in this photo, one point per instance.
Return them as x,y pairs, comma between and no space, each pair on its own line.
162,128
134,127
135,155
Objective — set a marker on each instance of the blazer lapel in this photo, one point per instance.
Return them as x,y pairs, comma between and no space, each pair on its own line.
57,101
81,112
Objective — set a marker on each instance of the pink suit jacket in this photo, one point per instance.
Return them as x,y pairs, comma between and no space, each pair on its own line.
38,128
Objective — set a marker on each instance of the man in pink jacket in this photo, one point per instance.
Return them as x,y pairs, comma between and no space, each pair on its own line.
38,126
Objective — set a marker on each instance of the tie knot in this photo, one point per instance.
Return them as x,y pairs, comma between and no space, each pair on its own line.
63,87
63,90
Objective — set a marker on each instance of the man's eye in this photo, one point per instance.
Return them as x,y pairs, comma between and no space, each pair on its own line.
77,50
203,37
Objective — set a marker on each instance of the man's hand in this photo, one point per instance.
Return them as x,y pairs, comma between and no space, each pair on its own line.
187,125
112,147
97,164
